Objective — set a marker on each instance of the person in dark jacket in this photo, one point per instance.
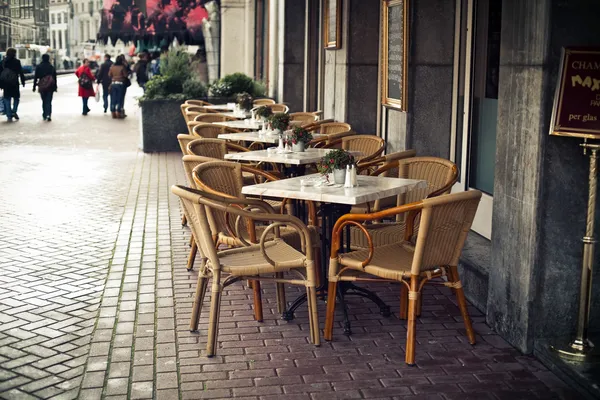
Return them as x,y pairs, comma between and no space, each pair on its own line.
141,70
10,72
45,80
104,79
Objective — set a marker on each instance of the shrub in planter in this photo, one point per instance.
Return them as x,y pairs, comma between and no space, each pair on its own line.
335,159
279,121
244,101
193,88
231,84
264,112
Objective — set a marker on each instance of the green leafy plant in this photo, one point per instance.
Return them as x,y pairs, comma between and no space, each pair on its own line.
335,159
244,101
177,80
279,121
263,112
231,84
300,134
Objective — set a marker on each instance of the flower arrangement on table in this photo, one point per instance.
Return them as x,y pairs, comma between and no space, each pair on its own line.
264,112
244,101
299,138
333,162
279,121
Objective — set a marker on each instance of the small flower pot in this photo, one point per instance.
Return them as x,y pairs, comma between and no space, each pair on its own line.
298,147
339,176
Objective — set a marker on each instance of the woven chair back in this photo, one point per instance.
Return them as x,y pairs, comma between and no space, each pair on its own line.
214,148
445,223
439,173
189,163
184,140
263,102
304,117
279,108
214,117
200,103
331,128
223,178
207,131
370,146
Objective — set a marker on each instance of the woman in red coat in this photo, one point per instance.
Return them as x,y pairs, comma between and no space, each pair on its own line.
86,84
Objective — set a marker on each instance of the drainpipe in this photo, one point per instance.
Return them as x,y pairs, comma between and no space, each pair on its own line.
273,79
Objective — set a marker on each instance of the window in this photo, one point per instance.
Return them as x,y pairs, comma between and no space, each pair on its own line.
65,17
60,40
59,17
54,39
52,19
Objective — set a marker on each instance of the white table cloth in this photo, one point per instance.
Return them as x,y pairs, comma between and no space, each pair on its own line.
370,188
245,124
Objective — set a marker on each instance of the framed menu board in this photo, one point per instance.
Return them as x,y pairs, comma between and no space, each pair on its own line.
332,25
394,53
577,100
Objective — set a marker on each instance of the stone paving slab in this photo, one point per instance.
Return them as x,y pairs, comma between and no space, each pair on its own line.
95,298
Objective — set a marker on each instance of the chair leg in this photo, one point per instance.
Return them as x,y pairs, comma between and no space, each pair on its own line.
183,220
462,305
451,278
330,316
258,310
192,256
419,304
313,316
192,240
198,300
411,326
213,322
280,290
403,302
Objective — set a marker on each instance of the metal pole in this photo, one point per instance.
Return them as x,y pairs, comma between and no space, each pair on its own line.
581,348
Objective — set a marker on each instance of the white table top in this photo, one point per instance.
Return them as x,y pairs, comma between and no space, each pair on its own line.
245,124
221,107
369,188
233,114
310,156
256,137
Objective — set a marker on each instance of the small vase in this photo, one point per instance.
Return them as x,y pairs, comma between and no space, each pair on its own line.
298,147
339,176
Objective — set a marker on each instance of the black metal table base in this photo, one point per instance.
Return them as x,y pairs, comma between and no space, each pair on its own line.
329,215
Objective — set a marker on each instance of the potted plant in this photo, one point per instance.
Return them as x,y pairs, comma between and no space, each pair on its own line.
335,162
279,122
263,113
244,101
300,137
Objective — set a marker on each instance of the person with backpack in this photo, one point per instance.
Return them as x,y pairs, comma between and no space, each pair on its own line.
86,84
45,81
10,72
104,79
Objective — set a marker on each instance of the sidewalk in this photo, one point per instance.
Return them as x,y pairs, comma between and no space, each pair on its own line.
95,298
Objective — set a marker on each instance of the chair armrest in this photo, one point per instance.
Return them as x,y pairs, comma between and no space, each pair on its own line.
236,147
358,219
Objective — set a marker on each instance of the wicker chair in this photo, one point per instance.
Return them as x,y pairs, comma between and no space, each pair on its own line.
445,223
213,148
263,102
370,146
254,261
200,103
304,117
332,131
279,108
184,140
440,175
214,117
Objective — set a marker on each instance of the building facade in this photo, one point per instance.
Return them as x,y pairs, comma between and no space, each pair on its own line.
59,27
478,80
5,24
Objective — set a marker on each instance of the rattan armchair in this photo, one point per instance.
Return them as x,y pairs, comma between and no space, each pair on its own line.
445,223
263,102
266,260
214,148
279,108
331,131
370,146
214,117
304,118
200,103
184,140
440,174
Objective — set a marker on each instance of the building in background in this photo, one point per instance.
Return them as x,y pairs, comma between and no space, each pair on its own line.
59,28
4,24
41,20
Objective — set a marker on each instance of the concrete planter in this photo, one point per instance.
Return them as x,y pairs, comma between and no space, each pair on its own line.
160,123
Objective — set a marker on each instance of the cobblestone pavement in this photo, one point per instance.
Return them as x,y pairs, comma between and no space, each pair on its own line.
95,298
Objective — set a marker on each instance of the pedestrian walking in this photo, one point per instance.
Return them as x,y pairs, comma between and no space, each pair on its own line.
141,70
118,74
86,84
104,79
127,84
10,72
45,81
